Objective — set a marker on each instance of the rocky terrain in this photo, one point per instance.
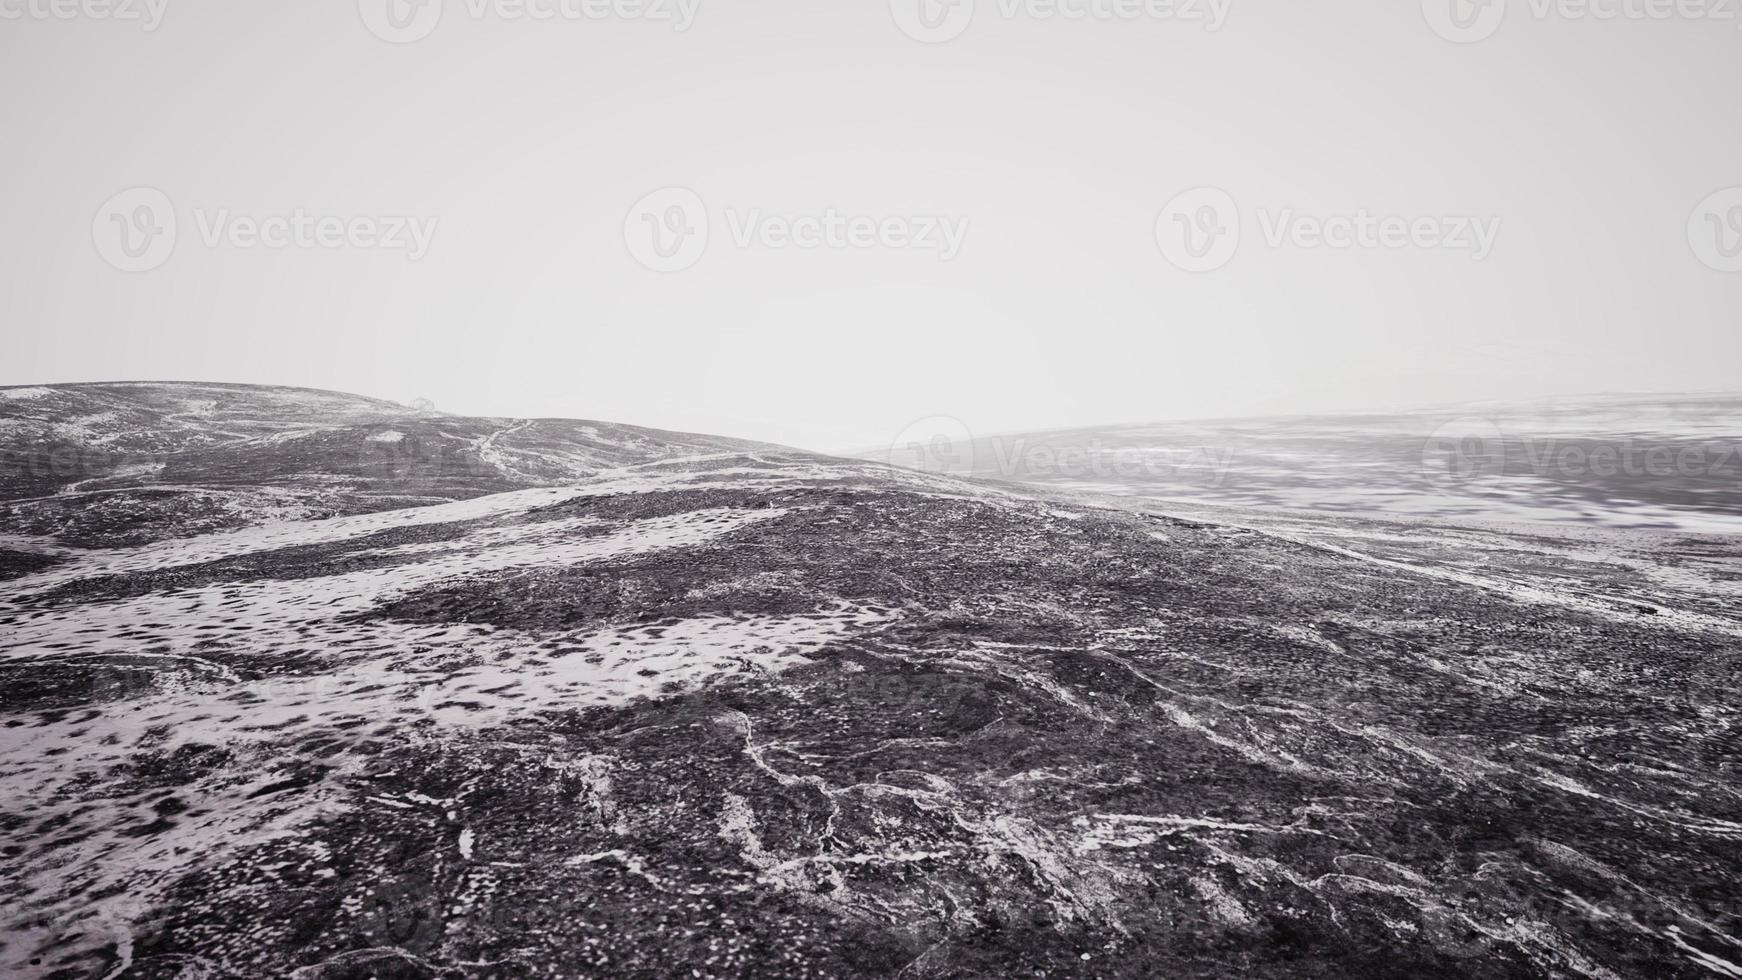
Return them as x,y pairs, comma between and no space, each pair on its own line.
115,465
308,685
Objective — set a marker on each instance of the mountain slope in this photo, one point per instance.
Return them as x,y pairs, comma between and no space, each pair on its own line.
769,714
117,464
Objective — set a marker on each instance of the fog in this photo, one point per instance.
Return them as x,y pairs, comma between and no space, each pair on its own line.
815,223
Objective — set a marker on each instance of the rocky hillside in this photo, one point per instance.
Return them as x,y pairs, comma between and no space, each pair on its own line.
625,704
121,464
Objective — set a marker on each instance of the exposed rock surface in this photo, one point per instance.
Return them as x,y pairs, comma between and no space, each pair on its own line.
567,699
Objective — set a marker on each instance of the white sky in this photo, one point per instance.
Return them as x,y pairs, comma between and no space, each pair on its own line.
1593,141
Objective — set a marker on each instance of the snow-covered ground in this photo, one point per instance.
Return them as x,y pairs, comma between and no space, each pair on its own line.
1670,462
341,689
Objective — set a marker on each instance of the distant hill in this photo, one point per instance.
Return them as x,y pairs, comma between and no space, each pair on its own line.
100,464
1624,461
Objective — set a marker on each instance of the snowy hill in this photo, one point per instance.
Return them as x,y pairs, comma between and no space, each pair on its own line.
128,463
607,702
1622,461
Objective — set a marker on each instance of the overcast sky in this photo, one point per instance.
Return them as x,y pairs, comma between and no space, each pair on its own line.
983,198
